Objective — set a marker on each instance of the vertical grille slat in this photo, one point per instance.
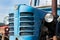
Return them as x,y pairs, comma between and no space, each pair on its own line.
28,17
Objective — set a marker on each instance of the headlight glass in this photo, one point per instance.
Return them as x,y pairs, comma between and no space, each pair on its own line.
49,17
58,19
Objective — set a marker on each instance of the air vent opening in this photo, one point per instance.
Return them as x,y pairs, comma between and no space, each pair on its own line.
11,24
11,20
26,33
26,14
26,28
26,23
11,15
11,28
11,33
27,18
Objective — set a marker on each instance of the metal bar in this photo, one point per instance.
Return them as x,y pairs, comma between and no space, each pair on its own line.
3,35
35,2
54,12
30,2
38,2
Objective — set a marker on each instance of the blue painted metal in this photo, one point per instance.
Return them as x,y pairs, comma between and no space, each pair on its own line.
30,12
49,9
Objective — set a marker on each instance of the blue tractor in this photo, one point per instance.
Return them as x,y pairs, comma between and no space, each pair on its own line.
25,23
30,23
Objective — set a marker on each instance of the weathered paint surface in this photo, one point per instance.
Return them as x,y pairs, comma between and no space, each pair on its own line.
38,16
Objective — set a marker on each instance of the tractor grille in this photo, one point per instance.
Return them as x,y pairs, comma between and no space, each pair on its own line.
11,24
26,23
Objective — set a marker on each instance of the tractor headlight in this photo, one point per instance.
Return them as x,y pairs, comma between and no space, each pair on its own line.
49,17
58,19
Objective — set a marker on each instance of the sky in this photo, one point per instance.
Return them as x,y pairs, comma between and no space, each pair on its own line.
6,5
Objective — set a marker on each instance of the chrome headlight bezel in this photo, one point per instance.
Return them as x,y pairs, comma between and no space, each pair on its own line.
49,17
58,19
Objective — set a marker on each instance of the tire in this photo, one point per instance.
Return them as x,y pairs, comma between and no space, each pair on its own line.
5,38
0,37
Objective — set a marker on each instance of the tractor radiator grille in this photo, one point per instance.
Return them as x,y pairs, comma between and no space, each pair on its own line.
26,23
11,24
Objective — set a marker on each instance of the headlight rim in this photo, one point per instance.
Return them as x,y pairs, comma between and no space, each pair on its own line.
51,20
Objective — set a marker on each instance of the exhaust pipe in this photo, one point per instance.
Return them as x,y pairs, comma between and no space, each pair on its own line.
54,13
30,2
54,8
